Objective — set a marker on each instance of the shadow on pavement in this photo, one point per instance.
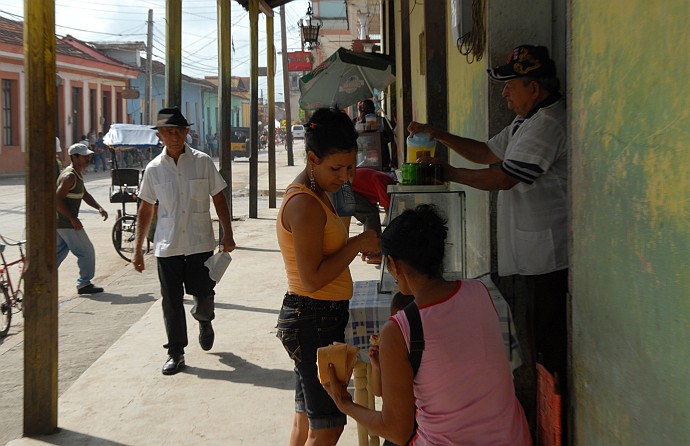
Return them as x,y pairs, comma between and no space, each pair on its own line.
226,306
240,248
68,437
119,299
245,372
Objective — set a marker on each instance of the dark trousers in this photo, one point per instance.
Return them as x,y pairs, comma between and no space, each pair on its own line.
178,274
539,304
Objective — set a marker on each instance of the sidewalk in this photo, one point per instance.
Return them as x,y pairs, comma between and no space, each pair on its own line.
240,392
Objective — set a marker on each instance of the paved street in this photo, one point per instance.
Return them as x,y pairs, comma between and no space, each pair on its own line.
89,326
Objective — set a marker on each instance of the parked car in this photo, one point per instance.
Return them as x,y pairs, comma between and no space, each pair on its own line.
298,131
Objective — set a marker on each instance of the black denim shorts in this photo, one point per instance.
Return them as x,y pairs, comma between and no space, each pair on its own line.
304,325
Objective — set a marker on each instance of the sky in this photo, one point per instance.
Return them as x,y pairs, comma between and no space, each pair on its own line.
125,21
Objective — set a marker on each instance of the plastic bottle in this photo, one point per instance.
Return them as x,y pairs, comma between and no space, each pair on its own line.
418,145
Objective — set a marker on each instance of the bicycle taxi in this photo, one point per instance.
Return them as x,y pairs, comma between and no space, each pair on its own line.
129,144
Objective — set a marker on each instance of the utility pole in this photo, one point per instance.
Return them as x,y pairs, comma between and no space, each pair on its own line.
286,89
254,107
148,84
271,84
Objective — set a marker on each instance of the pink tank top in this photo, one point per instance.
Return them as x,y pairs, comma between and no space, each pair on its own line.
464,387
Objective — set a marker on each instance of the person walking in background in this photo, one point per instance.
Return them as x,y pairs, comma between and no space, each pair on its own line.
529,168
214,145
99,156
209,143
181,180
316,251
463,389
71,236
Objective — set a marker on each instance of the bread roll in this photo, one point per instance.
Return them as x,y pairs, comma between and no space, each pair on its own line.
342,356
374,340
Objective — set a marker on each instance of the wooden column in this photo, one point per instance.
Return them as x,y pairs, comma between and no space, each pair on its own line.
225,95
361,397
270,80
40,297
403,79
173,54
286,90
254,106
436,70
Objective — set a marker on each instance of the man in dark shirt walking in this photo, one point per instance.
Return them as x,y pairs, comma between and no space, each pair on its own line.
71,236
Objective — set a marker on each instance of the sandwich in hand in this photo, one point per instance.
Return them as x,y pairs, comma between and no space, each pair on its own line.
374,340
342,356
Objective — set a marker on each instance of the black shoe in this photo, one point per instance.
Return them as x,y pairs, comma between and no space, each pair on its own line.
173,365
89,289
206,335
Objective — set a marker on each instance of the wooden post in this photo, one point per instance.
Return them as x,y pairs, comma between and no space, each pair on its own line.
286,90
436,71
403,79
225,95
173,54
254,106
40,286
270,81
361,397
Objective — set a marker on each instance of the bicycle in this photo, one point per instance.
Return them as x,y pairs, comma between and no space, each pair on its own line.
12,296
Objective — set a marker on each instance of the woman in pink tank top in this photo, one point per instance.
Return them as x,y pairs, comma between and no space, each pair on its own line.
463,391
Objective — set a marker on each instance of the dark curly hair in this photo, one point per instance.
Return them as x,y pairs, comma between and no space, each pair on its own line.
418,238
330,131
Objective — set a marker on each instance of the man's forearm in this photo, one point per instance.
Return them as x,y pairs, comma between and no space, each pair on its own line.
88,199
470,149
223,213
492,178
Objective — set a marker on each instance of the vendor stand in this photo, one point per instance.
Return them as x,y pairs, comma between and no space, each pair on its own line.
369,307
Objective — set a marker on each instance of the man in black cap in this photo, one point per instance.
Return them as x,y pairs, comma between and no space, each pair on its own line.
71,236
181,180
528,165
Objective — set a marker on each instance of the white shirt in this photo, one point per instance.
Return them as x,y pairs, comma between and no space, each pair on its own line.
183,191
532,218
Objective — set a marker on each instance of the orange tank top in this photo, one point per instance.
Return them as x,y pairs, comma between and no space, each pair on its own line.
335,237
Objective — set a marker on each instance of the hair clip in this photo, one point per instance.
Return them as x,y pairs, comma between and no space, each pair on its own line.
312,125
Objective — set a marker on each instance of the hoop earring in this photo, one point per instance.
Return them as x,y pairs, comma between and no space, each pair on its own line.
312,181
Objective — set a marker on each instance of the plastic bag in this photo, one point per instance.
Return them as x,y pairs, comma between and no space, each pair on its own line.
217,264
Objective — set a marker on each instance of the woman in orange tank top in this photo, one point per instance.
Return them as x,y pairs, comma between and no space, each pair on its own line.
317,252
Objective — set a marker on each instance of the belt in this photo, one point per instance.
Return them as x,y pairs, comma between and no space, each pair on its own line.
304,302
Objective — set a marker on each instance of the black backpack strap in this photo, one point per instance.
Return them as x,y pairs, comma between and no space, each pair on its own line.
416,336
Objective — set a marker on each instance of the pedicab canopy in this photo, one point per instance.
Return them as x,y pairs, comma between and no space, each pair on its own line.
129,136
345,78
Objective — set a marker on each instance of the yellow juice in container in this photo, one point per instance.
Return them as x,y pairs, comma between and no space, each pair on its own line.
419,145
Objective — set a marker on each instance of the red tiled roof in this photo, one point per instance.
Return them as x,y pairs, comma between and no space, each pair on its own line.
12,33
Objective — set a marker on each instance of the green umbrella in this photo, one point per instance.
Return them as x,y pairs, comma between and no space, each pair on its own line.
345,78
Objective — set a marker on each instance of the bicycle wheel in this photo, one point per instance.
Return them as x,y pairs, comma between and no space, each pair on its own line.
5,312
124,234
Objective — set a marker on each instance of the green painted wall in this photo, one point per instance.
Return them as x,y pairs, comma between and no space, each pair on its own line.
467,116
630,187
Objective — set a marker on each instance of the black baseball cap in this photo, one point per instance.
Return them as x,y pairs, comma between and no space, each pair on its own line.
525,61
